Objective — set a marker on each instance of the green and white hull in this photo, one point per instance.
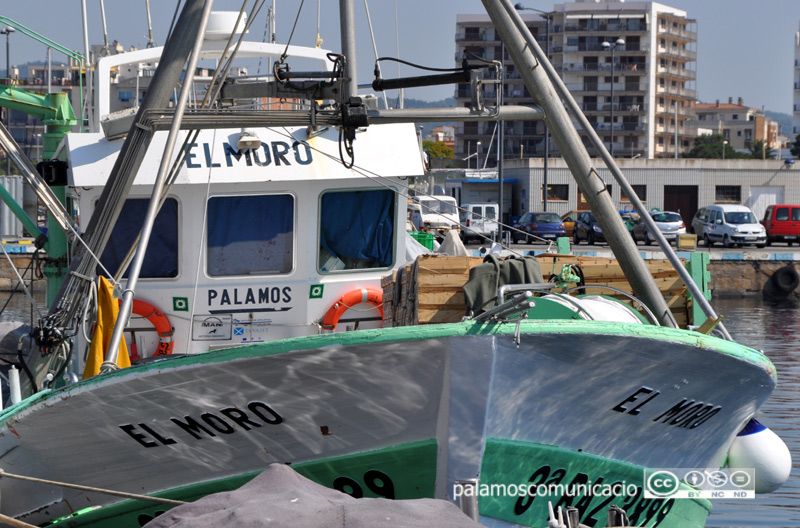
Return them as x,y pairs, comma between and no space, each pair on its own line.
401,412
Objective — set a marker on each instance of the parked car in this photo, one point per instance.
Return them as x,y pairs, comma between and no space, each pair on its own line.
729,224
538,224
439,214
586,228
569,221
478,220
782,223
699,220
668,222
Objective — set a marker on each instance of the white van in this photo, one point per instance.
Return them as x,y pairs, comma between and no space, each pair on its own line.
479,220
729,224
439,214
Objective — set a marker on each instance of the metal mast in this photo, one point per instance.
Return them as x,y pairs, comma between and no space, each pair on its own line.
528,57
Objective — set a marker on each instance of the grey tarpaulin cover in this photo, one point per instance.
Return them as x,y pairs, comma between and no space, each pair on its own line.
480,291
280,496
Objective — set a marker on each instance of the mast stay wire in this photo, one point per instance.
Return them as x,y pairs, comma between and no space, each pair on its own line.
221,72
375,50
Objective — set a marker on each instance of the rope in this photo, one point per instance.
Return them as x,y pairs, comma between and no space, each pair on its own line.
5,519
113,493
375,177
286,51
401,61
200,253
19,278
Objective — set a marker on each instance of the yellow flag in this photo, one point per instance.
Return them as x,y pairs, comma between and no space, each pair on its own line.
107,311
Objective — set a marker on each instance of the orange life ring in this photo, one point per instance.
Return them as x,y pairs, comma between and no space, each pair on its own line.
351,298
160,322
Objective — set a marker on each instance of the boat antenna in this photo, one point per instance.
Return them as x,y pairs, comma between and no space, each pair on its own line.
401,97
272,38
267,26
150,42
86,111
374,49
105,28
318,42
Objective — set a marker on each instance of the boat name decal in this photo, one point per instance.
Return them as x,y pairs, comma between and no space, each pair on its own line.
688,414
276,152
224,299
641,511
224,422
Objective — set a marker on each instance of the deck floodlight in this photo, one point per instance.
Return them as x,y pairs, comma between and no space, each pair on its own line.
248,140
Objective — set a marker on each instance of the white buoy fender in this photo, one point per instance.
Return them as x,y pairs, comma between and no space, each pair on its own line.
757,447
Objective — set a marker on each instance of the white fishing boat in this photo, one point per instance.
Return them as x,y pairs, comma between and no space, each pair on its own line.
261,285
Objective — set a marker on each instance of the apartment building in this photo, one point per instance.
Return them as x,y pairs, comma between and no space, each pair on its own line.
741,125
649,64
796,96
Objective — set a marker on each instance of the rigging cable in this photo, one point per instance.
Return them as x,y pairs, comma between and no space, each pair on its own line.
286,51
371,175
375,50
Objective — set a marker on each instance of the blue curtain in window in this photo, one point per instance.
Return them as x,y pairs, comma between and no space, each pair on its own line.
358,225
161,258
250,234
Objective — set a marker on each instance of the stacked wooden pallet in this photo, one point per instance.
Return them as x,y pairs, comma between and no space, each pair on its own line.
430,290
607,272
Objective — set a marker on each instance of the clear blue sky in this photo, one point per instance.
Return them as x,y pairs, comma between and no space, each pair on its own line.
745,48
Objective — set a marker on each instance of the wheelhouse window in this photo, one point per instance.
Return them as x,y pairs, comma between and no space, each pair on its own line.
161,257
250,235
356,230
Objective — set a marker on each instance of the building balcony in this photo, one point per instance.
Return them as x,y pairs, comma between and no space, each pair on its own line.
677,91
621,27
597,48
678,53
620,68
679,32
605,88
619,127
483,36
619,108
671,71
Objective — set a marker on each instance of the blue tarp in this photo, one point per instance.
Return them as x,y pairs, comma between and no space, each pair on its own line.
250,234
161,258
358,225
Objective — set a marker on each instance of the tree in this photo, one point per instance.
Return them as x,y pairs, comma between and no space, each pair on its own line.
711,147
438,149
707,146
758,150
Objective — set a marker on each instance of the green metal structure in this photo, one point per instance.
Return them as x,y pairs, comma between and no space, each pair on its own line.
58,117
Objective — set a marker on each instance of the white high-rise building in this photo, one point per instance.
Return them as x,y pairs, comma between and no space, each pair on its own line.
653,47
796,96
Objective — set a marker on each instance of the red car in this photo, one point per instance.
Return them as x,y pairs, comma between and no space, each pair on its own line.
782,223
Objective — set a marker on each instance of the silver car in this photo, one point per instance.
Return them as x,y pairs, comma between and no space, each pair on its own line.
669,223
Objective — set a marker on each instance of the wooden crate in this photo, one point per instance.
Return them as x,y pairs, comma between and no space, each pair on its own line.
430,290
608,272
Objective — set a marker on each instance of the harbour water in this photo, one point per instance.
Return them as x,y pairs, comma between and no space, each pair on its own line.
767,326
773,328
